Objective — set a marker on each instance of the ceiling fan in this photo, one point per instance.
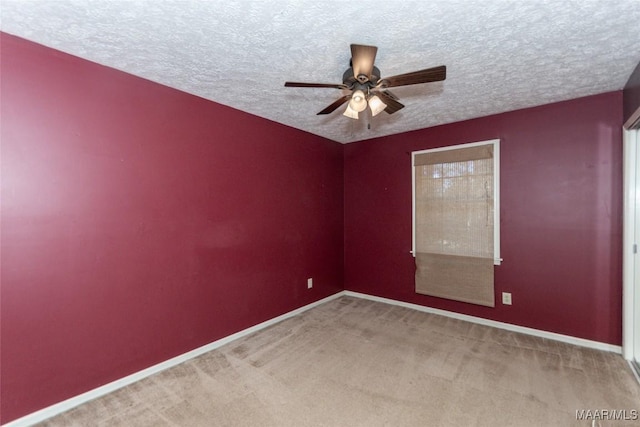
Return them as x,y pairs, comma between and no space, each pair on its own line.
366,86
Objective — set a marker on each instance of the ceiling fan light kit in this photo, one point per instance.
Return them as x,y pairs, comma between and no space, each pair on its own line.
363,80
358,101
350,112
376,105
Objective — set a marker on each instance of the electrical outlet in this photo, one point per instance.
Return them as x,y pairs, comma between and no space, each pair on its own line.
309,283
506,298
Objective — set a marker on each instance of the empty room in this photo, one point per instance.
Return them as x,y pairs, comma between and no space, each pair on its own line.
295,213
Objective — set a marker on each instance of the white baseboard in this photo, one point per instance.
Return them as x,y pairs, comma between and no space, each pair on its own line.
58,408
493,323
635,369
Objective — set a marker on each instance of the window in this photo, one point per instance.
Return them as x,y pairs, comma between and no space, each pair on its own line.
456,233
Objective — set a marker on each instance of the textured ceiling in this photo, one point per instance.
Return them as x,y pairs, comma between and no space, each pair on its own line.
500,55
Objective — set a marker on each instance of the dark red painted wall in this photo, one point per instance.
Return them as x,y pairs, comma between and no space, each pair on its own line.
561,216
139,222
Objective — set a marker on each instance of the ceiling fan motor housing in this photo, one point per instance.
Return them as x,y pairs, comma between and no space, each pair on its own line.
352,81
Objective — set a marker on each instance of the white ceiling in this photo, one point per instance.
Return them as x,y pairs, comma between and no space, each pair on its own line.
500,55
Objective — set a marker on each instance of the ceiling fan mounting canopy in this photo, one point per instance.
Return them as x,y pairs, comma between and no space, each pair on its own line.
363,79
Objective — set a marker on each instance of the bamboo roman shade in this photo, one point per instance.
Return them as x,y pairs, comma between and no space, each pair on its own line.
454,223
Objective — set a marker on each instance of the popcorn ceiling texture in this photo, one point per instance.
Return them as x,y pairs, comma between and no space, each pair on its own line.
500,55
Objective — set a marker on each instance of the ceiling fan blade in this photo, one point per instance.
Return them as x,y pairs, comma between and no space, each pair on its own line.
331,108
330,85
423,76
362,59
391,94
392,104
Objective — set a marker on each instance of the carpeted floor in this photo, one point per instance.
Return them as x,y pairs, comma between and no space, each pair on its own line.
355,362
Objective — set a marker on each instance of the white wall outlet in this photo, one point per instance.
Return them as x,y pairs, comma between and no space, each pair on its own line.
506,298
309,283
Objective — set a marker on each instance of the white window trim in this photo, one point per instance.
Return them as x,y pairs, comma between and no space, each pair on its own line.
496,192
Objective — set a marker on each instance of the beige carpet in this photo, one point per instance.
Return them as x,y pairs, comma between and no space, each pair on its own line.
354,362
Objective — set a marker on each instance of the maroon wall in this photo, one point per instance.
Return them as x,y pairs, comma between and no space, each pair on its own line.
631,94
139,222
561,216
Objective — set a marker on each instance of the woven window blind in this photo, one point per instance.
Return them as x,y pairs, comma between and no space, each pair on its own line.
454,224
